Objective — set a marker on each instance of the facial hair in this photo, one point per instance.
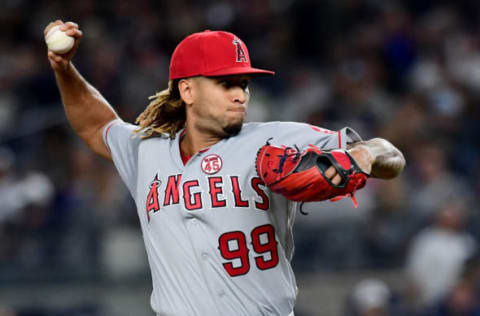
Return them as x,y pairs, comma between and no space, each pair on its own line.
233,129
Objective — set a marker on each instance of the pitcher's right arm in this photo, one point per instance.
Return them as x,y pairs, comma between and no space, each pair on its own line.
86,109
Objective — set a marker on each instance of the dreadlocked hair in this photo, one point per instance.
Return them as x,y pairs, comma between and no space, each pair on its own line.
164,115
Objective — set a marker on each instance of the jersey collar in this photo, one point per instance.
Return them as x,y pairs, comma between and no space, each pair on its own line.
178,155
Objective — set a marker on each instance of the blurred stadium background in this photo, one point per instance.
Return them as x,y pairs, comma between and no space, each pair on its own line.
408,71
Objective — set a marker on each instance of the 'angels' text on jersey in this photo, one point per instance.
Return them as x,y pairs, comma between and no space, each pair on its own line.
170,193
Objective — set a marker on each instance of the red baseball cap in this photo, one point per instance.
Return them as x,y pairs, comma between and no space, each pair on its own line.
211,53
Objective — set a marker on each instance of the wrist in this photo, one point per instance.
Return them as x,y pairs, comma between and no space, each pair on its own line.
65,73
363,156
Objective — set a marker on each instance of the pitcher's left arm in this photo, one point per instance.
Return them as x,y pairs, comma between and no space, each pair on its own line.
378,157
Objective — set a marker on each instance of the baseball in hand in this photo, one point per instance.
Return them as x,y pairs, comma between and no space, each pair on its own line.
58,41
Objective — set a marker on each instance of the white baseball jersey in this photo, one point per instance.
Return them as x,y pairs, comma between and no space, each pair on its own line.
218,241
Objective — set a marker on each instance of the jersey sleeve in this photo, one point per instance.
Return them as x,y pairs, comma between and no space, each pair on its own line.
302,135
122,142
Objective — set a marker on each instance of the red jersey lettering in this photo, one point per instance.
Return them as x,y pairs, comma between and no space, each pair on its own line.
237,193
152,198
265,204
171,190
187,196
215,191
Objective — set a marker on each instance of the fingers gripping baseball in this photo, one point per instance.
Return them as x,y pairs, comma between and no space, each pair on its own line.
59,61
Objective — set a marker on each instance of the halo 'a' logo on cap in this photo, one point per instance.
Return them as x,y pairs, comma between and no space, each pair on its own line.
241,56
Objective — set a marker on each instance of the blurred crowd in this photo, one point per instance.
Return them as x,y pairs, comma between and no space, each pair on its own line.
407,71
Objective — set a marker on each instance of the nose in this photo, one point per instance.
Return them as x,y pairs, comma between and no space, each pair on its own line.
239,95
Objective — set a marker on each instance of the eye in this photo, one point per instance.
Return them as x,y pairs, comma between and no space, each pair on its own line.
226,84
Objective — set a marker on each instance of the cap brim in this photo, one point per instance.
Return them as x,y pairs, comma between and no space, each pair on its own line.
239,71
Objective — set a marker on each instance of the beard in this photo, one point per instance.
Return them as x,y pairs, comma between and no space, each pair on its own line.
233,129
221,129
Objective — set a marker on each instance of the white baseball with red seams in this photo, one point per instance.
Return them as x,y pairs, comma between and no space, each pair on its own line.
58,41
218,241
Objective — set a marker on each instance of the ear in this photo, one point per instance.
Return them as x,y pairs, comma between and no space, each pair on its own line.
185,86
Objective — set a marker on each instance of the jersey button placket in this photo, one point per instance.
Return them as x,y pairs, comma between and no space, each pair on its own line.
200,246
200,242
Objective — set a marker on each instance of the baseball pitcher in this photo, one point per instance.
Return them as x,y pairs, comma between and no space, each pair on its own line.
216,197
